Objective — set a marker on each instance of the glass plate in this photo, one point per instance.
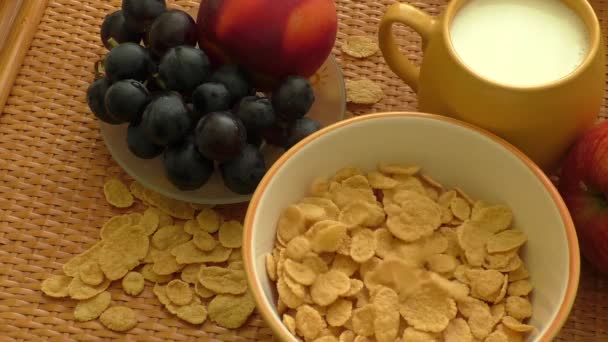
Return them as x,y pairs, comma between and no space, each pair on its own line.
329,107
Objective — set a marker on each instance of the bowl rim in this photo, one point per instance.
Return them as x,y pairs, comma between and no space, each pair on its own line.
574,257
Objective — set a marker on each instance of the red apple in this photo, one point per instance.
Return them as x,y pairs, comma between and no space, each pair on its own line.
584,187
271,38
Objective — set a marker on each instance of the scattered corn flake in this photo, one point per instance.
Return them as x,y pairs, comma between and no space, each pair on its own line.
204,241
360,46
133,283
481,323
328,239
223,280
137,190
194,313
460,208
56,286
386,322
445,199
202,291
363,320
71,268
117,193
192,227
170,206
362,298
428,310
413,335
493,219
496,336
516,325
271,267
150,221
520,288
457,331
160,291
209,220
166,264
231,234
339,312
148,273
188,253
164,219
363,245
328,286
518,307
169,237
326,338
80,291
115,223
118,318
179,292
309,322
229,311
299,272
189,273
506,240
363,91
407,183
92,308
290,323
485,284
90,273
446,215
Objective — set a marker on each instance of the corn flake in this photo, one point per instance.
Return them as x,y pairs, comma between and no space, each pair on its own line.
297,248
169,237
117,193
363,320
328,286
179,292
506,240
299,272
360,46
339,312
363,245
56,286
457,331
148,273
133,283
345,264
170,206
118,318
309,322
165,263
231,234
202,291
485,284
290,323
481,323
230,311
188,253
516,325
90,273
520,288
328,239
386,321
92,308
429,310
223,280
80,291
518,307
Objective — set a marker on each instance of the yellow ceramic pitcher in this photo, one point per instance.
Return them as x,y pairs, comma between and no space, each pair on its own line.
540,120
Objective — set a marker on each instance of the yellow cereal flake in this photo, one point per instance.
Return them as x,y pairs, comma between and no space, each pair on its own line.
115,223
328,286
457,331
297,248
150,221
419,217
319,186
485,284
231,234
467,306
363,320
193,313
428,310
514,263
345,264
360,46
442,263
223,280
345,173
363,91
363,245
202,291
503,290
133,283
299,272
56,286
123,252
204,241
90,273
414,335
497,336
499,260
493,219
291,223
518,307
165,263
481,323
148,273
460,208
516,325
339,312
137,190
71,268
378,180
386,321
506,240
356,286
117,193
179,292
361,213
309,322
271,267
170,206
80,291
290,299
347,336
397,169
298,289
512,336
92,308
328,239
290,323
160,291
330,208
209,220
520,288
312,212
169,237
118,318
230,311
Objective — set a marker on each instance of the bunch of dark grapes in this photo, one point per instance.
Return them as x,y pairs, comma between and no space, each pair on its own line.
177,106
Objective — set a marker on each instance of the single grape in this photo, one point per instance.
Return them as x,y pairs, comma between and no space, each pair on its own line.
129,61
254,138
256,112
126,100
210,97
166,119
141,13
186,168
235,80
96,97
220,136
114,26
276,134
139,144
293,99
184,68
300,129
171,29
243,173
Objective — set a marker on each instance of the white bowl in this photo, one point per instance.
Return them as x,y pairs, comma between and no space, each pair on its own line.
329,107
453,153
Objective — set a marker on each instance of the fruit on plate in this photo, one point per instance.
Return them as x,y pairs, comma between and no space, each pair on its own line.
274,39
584,186
194,114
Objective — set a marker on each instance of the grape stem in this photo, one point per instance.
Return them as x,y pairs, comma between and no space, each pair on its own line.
113,43
160,82
98,69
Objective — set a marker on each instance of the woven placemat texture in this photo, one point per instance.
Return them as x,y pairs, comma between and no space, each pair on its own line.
53,164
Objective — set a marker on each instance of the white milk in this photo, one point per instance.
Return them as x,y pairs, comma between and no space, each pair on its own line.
520,42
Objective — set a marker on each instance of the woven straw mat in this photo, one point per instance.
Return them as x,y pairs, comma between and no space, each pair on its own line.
53,164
